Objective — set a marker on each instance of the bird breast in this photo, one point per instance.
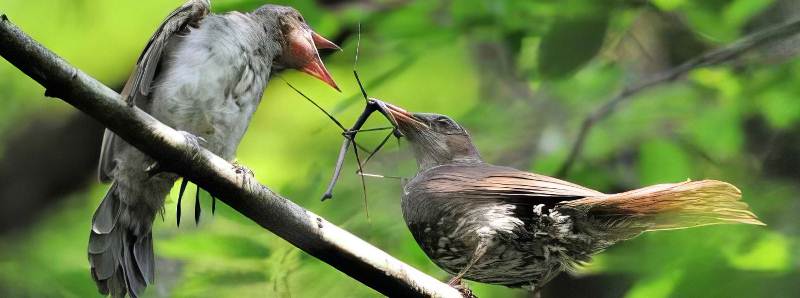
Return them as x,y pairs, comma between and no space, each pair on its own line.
211,84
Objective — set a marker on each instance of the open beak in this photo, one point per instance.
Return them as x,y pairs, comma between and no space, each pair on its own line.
303,45
322,43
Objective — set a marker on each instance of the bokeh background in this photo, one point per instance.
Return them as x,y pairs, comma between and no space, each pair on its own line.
520,75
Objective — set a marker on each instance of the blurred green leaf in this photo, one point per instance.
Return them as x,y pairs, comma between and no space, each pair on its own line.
571,42
740,11
668,5
211,246
770,253
780,107
661,161
656,286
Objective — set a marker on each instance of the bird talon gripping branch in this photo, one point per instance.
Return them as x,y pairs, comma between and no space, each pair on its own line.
242,170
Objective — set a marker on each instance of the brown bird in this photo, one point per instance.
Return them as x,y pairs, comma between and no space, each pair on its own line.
500,225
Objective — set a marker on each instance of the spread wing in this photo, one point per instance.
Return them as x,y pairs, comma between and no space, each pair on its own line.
495,182
138,87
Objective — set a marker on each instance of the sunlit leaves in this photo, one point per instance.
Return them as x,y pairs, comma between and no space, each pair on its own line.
780,106
770,253
657,286
668,5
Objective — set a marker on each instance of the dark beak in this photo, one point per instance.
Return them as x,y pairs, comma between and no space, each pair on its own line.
401,118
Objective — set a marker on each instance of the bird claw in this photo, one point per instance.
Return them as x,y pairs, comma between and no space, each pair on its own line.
194,142
153,169
462,288
246,173
240,169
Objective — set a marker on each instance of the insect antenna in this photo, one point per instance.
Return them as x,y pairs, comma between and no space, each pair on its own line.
335,121
355,65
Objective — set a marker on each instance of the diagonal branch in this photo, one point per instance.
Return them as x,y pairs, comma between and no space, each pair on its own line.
712,58
302,228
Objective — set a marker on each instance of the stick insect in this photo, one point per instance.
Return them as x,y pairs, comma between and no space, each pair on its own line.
372,105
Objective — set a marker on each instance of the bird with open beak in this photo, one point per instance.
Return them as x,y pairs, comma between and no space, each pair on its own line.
504,226
203,74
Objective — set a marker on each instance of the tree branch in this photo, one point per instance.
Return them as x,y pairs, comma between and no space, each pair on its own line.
302,228
712,58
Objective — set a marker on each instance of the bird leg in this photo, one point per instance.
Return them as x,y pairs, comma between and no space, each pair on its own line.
371,154
197,207
480,250
194,144
184,182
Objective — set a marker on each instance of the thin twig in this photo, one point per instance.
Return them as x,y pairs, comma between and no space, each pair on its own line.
711,58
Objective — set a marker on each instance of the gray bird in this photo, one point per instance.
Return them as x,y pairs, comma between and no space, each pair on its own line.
504,226
203,74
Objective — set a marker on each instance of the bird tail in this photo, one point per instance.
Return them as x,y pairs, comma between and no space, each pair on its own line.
121,257
666,206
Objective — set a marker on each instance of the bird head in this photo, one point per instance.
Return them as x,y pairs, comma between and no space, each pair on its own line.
299,43
436,139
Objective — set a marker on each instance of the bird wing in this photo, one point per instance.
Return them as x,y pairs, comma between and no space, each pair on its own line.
484,181
139,84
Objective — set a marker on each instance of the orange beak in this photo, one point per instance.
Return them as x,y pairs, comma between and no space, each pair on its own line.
322,43
303,45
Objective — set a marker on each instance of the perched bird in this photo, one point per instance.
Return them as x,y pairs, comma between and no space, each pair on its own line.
504,226
203,74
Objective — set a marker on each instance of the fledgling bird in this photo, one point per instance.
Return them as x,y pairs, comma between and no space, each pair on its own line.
203,74
500,225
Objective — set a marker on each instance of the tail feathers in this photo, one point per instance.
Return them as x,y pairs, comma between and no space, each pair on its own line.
121,261
669,206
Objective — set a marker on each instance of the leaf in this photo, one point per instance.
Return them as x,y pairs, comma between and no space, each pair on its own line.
661,285
780,107
570,43
661,161
771,253
669,5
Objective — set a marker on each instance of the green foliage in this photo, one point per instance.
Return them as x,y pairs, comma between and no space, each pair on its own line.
571,42
520,75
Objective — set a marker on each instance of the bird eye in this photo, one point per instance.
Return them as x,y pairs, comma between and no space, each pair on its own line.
300,18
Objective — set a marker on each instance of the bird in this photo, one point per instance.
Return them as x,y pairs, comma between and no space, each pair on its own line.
203,74
503,226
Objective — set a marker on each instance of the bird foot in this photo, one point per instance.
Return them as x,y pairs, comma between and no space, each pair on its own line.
462,288
153,169
246,173
194,142
242,170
